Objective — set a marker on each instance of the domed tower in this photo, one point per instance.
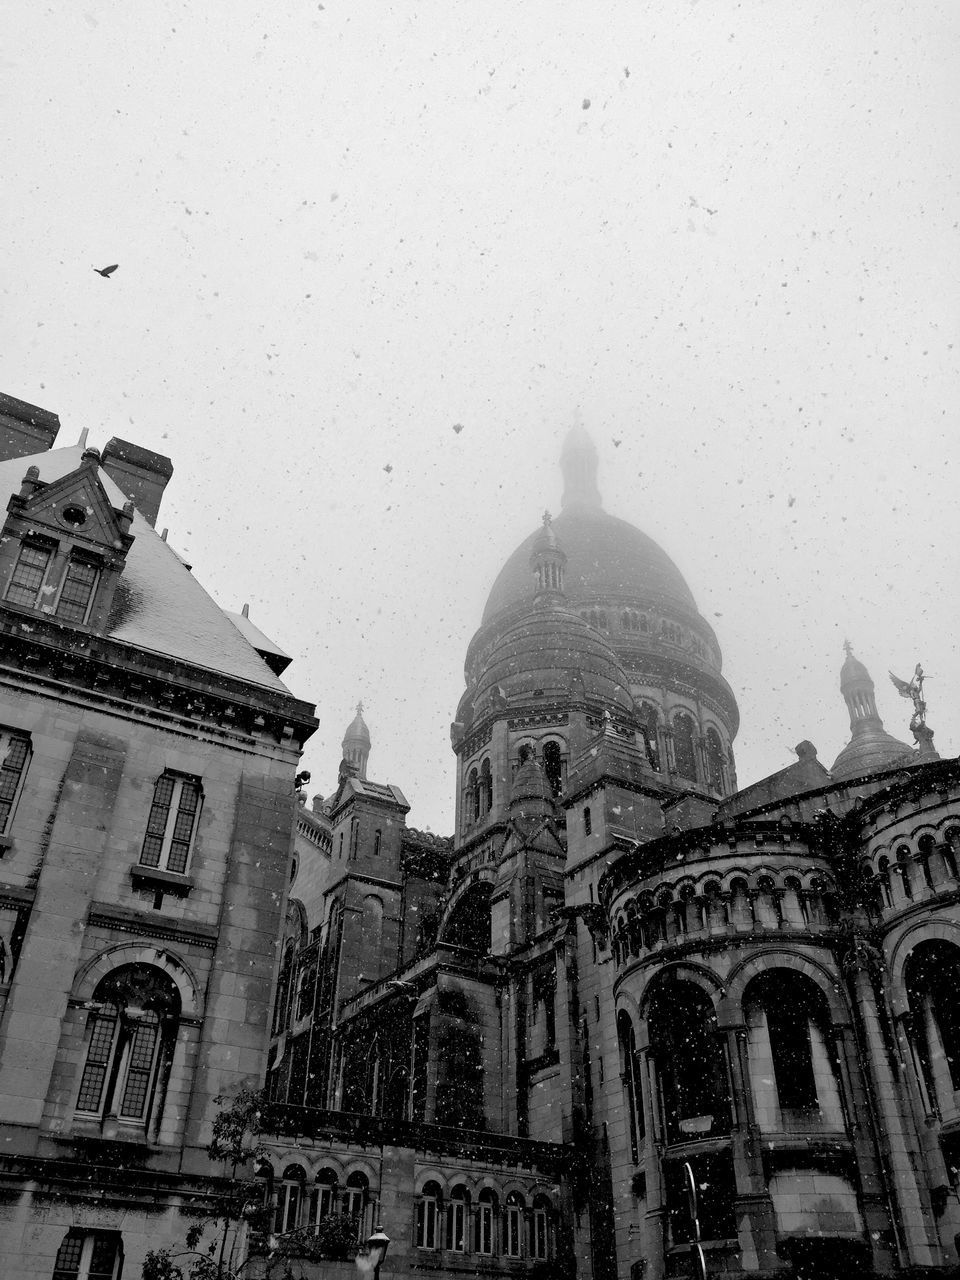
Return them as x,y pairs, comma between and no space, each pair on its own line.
644,627
356,743
870,749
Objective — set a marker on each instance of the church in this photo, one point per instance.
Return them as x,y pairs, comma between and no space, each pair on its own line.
628,1020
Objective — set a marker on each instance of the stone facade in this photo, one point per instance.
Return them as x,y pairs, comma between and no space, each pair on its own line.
516,1046
146,813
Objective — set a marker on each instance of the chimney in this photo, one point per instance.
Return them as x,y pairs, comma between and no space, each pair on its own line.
25,429
141,474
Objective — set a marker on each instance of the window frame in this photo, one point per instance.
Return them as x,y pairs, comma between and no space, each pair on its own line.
513,1216
36,545
88,1241
168,835
8,738
429,1206
455,1220
86,562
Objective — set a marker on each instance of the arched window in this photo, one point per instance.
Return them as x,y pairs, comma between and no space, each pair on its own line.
553,766
377,842
788,1025
932,979
323,1196
428,1216
587,821
280,1004
925,850
89,1255
286,1216
714,760
690,1061
172,823
513,1226
486,787
131,1034
483,1222
371,933
455,1220
903,867
307,988
472,799
540,1229
630,1074
684,752
468,925
883,876
356,1193
648,731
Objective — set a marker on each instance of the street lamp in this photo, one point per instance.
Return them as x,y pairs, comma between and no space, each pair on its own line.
377,1246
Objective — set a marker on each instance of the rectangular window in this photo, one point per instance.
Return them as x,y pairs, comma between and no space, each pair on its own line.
514,1232
456,1226
540,1233
483,1229
102,1039
14,754
76,592
141,1052
426,1223
171,824
321,1203
28,575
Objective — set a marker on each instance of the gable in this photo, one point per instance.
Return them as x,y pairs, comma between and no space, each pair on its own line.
76,506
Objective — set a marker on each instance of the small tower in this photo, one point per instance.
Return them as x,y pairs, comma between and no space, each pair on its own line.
548,561
356,743
870,749
578,462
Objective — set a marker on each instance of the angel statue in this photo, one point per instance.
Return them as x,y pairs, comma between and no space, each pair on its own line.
913,689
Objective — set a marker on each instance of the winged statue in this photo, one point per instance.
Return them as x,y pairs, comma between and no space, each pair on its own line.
913,689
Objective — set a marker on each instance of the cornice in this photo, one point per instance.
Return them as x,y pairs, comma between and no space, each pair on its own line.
62,659
106,915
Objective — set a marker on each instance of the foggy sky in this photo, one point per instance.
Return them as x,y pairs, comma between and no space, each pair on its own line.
727,232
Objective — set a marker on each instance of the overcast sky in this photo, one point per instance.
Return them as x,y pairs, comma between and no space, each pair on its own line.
728,232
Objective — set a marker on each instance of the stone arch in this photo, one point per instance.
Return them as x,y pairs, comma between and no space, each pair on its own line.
353,1164
96,969
680,971
430,1174
485,878
938,929
782,958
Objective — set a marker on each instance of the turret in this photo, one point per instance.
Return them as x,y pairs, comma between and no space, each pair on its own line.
356,743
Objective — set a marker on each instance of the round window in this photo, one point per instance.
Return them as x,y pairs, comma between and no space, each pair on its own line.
74,516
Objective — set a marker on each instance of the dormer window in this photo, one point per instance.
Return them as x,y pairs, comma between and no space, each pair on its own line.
77,589
29,572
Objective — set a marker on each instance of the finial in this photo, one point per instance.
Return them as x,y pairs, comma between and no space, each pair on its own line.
547,519
578,462
360,707
848,648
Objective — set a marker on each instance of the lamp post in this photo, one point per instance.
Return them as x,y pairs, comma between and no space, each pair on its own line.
377,1245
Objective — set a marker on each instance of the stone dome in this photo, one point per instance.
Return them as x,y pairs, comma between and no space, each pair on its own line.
871,751
550,652
606,556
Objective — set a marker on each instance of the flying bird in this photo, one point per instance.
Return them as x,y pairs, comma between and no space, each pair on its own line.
106,272
388,468
458,427
616,444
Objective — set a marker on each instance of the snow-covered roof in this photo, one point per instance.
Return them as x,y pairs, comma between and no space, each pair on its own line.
253,635
166,610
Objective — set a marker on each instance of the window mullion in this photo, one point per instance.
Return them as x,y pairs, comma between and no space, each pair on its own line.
172,815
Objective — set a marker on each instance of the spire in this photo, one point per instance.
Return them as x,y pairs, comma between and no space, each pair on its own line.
547,560
858,692
356,743
870,749
578,462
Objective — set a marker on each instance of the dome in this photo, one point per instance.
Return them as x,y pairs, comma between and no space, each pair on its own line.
606,556
357,732
871,751
551,652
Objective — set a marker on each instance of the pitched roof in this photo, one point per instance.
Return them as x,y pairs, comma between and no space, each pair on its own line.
165,609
